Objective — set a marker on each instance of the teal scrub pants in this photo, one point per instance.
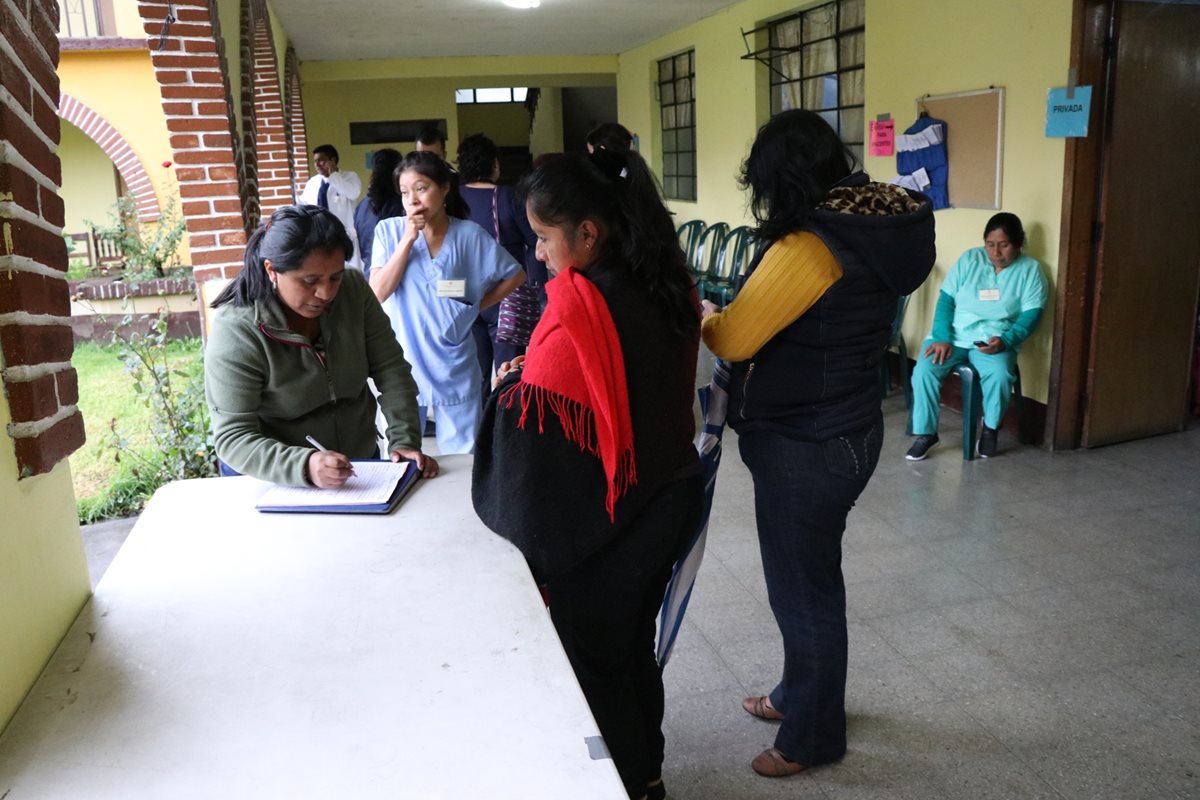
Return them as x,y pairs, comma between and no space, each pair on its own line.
996,376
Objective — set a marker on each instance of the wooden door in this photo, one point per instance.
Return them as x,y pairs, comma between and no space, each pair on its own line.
1148,257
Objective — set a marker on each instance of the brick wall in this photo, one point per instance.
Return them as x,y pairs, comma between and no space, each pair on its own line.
297,136
247,153
194,83
276,178
35,332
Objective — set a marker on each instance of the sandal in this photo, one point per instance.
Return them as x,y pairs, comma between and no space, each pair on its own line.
771,763
761,707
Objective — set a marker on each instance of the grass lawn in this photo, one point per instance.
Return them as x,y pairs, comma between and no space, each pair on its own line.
106,393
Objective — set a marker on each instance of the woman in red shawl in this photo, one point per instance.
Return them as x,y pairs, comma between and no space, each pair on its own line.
585,458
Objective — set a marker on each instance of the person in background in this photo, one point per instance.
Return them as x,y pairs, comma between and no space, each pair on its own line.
609,136
809,328
434,271
294,340
495,208
430,139
585,458
990,302
336,191
382,201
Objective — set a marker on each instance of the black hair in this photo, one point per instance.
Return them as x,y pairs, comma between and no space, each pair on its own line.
610,136
618,192
476,158
328,150
1010,224
383,187
286,239
431,133
795,160
437,170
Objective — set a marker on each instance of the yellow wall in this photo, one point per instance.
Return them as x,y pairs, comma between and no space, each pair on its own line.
43,574
546,136
89,187
960,53
120,86
338,93
1031,58
506,124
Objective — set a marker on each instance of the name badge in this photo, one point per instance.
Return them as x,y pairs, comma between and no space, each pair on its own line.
989,295
459,289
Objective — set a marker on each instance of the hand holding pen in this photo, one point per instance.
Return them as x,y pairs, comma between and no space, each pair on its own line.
327,469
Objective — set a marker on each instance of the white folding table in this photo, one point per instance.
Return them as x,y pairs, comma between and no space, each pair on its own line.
229,653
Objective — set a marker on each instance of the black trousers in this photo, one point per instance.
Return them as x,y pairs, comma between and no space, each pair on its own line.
605,610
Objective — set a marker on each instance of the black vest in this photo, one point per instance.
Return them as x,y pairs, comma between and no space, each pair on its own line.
818,378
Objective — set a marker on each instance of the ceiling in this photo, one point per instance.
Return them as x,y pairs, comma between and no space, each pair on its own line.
361,29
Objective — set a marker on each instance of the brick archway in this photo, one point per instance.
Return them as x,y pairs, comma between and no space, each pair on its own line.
114,145
297,136
276,180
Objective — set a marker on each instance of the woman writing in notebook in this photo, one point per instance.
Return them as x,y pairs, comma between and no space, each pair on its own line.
295,338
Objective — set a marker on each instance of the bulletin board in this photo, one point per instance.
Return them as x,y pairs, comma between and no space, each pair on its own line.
974,143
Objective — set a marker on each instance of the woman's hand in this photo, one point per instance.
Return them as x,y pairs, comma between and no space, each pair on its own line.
708,308
506,368
328,469
994,345
427,464
416,224
938,352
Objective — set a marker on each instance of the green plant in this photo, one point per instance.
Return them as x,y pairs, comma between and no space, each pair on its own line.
179,424
148,249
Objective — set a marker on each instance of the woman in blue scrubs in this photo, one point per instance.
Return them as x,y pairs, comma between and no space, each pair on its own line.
433,271
989,304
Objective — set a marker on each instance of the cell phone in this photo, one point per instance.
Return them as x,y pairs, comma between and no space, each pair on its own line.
980,343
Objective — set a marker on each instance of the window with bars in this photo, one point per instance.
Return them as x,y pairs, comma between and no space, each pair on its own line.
677,104
817,60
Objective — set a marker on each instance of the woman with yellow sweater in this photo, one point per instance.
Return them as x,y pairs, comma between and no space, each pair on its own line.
808,331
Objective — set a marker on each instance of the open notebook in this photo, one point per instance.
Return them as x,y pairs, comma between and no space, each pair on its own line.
376,487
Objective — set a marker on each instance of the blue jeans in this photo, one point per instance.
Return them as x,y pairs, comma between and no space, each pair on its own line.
803,492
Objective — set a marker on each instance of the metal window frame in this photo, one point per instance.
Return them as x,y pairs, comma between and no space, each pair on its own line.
674,81
770,54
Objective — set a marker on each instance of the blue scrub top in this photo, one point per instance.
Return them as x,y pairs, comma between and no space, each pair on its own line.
436,331
987,304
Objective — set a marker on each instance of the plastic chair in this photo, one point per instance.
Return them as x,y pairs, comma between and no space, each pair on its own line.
689,237
897,341
972,402
708,247
729,264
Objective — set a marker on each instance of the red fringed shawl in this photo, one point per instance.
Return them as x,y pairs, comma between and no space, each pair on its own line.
574,366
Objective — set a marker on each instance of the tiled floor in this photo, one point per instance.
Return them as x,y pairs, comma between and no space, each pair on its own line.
1021,627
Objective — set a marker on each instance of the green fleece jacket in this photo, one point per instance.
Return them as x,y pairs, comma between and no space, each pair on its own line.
268,387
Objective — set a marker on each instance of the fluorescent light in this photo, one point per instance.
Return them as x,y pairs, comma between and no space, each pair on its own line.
522,3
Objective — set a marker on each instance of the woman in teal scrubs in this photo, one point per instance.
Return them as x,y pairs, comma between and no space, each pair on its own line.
989,304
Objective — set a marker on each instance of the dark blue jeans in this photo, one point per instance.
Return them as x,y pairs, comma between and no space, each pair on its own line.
803,492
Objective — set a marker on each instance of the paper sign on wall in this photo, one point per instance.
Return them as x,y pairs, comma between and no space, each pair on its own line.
883,137
1068,116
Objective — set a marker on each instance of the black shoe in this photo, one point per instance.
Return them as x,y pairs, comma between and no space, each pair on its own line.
656,791
987,442
921,447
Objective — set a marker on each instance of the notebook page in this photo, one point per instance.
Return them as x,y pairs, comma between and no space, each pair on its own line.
371,484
